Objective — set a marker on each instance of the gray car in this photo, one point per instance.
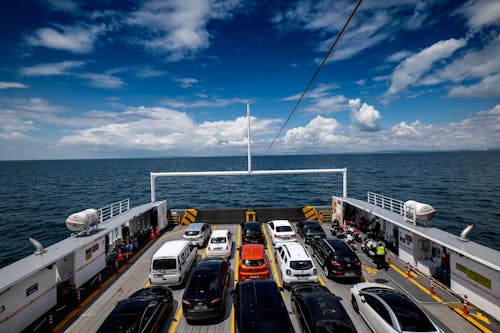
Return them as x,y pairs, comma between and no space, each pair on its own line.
198,233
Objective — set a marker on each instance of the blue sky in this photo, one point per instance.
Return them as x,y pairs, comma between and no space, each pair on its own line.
108,79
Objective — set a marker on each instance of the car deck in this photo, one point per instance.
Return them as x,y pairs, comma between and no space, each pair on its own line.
440,306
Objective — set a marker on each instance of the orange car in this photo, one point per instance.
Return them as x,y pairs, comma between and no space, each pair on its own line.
253,263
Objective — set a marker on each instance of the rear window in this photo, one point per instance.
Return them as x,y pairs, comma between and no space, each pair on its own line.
202,283
314,229
410,317
218,240
283,228
301,264
164,264
253,262
192,233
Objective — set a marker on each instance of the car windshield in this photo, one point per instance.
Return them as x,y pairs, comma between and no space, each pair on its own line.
164,264
120,323
218,240
410,316
253,262
301,264
192,233
203,283
325,326
283,228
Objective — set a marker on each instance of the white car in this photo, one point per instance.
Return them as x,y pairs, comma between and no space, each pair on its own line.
295,263
220,244
280,231
385,310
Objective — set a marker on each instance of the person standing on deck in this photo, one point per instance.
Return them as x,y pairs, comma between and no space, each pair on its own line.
380,255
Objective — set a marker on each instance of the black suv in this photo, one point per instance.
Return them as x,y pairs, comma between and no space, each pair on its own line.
144,311
318,310
205,294
251,232
259,308
310,230
337,258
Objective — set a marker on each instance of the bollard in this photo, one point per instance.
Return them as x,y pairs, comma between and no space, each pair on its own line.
466,312
408,271
99,279
432,287
78,299
157,232
152,236
51,323
389,260
116,266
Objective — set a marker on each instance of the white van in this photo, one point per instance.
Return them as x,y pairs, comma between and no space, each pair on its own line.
171,263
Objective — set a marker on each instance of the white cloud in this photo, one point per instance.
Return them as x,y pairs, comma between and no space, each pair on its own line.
487,88
55,68
30,104
75,39
398,56
481,13
320,131
68,6
10,85
148,72
179,28
409,71
320,91
205,102
186,82
106,81
365,116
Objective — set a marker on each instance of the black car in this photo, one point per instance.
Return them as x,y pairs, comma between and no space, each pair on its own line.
320,311
205,294
337,258
310,230
144,311
259,307
251,232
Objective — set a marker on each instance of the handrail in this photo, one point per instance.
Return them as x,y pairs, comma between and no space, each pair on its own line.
108,212
394,205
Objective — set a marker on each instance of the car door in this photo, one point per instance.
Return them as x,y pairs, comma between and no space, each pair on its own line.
377,314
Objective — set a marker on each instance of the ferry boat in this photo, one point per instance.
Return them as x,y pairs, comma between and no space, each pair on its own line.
73,285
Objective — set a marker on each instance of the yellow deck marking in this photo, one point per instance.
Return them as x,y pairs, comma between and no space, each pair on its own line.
273,264
147,284
321,281
480,316
236,274
371,271
472,321
427,291
176,320
91,297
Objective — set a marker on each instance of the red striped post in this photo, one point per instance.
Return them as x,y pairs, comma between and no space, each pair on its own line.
78,299
408,271
432,287
466,312
99,279
51,323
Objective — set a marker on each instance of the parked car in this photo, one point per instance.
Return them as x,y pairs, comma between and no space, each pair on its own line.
172,262
295,263
310,230
386,310
280,231
253,263
251,232
205,295
318,310
259,307
220,244
338,259
198,233
144,311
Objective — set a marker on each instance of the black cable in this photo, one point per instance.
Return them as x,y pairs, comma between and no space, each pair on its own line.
315,74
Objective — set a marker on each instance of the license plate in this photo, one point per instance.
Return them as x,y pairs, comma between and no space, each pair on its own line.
348,265
254,276
217,248
201,307
302,277
349,273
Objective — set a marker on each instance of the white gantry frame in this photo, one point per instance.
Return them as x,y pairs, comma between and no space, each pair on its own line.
248,172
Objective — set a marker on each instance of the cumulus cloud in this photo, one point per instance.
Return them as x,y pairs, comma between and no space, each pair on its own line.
179,28
480,13
10,85
487,88
78,39
409,71
319,131
104,80
55,68
365,116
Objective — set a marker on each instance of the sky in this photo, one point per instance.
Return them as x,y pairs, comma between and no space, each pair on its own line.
123,79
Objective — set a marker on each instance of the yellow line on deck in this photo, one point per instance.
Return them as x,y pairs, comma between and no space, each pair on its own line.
427,291
176,320
472,321
236,274
321,281
273,264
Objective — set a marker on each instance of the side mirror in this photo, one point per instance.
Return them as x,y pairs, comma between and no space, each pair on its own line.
362,298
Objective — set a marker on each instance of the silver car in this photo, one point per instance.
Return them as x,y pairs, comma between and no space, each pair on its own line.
198,233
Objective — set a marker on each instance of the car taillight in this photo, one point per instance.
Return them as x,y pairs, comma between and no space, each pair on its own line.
244,236
288,272
358,263
315,271
335,263
242,268
187,303
277,236
215,300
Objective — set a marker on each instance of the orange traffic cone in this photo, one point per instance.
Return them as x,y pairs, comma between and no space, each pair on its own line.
119,255
152,236
157,232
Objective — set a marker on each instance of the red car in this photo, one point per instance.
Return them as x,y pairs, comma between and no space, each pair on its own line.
253,263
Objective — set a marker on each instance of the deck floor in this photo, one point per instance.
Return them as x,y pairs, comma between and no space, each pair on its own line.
136,277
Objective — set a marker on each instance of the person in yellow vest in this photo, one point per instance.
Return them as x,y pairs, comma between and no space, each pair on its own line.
380,255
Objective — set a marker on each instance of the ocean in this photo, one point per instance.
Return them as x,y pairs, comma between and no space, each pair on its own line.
36,197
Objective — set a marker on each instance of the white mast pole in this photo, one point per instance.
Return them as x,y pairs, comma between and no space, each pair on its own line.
249,140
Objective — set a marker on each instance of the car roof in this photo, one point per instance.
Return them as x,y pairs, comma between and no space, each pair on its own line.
195,226
280,222
324,305
338,245
296,250
220,233
171,248
252,251
251,225
310,222
208,266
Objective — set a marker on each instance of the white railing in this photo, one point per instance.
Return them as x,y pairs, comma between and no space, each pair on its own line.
110,211
394,205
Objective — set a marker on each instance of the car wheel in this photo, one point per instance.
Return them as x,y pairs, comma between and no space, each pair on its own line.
354,304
